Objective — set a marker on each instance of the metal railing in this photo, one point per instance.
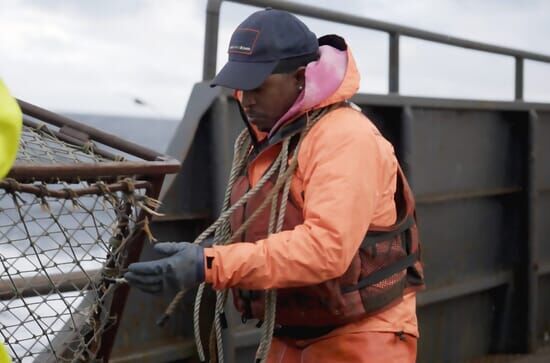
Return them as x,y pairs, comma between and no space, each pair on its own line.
394,31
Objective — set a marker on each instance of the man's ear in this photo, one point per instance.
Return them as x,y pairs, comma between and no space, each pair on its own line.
300,76
238,94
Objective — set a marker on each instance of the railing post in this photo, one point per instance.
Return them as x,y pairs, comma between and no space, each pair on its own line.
407,122
519,78
394,63
532,237
211,39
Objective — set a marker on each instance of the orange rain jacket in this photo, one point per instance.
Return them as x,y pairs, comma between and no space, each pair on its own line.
345,181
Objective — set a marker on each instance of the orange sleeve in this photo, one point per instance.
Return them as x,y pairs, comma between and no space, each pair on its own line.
339,169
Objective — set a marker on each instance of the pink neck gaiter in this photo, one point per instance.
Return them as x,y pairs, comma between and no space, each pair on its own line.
322,79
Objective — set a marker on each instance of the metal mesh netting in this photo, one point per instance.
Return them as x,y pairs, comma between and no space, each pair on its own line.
62,246
40,145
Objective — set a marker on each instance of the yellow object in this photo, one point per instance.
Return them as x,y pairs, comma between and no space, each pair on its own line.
10,131
4,357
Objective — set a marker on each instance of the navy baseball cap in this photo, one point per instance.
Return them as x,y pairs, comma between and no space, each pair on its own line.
268,41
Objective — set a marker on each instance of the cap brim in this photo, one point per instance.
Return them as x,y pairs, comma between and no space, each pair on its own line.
243,75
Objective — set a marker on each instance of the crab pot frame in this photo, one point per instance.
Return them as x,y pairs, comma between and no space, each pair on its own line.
74,212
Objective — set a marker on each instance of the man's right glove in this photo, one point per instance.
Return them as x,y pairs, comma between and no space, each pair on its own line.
182,269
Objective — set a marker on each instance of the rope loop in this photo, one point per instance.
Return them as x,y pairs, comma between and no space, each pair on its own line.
130,187
88,147
12,185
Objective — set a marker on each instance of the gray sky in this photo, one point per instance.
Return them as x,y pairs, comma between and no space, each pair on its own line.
97,56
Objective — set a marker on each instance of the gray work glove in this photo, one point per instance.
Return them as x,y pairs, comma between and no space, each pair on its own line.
182,268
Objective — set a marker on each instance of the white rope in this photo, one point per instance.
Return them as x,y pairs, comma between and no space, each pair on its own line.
271,295
222,230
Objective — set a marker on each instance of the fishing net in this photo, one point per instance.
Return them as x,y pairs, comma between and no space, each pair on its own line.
63,244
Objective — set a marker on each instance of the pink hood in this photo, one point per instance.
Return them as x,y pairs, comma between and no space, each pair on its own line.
332,78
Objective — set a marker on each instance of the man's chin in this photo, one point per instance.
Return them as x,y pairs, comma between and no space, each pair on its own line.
263,128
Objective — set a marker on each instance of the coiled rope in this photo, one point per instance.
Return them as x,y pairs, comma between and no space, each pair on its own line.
222,235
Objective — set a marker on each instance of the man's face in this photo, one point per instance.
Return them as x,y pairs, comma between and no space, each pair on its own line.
265,105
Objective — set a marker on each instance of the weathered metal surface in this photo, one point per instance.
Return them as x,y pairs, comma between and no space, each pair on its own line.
542,211
138,335
481,165
531,253
191,146
543,149
169,349
468,286
457,330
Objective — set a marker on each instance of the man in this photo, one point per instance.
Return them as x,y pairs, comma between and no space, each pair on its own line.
345,295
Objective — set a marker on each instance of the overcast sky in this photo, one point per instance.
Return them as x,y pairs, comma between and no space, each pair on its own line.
98,56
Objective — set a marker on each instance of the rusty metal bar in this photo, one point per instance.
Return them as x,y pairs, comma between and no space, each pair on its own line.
93,133
40,285
11,184
83,170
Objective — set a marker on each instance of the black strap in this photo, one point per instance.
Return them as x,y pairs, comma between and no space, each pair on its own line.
292,130
375,237
383,273
299,124
247,296
288,130
223,320
248,126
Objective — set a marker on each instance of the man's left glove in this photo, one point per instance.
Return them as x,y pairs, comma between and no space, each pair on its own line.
182,269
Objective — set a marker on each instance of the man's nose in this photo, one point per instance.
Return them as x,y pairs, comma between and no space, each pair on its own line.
248,99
